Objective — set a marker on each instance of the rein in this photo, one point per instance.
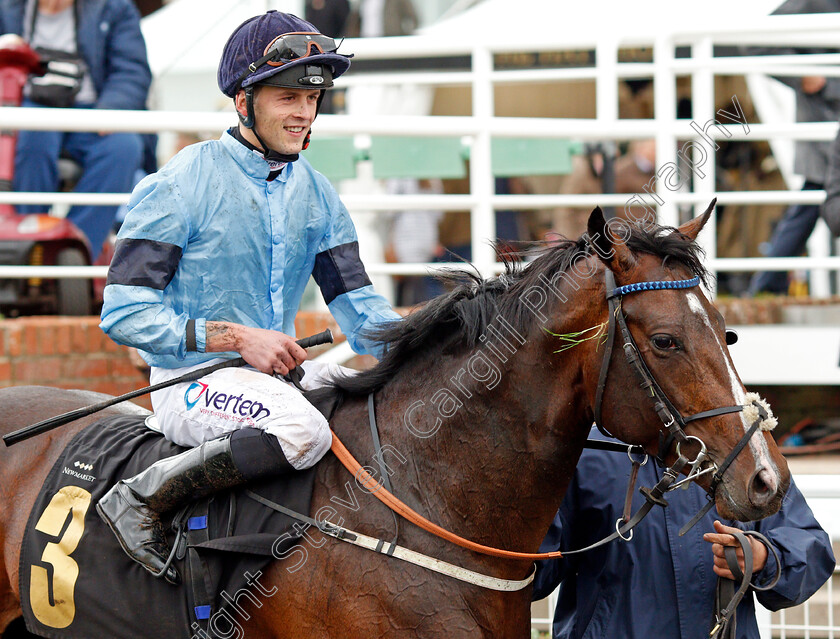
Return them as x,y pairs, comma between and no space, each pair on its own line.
386,497
672,420
727,597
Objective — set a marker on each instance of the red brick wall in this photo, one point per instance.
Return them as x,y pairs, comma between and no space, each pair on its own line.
72,352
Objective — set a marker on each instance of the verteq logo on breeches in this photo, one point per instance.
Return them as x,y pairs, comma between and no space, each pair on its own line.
235,406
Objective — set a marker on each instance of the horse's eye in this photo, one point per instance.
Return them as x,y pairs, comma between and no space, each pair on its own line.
664,342
731,337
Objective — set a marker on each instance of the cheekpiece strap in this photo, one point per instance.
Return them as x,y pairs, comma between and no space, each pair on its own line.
653,286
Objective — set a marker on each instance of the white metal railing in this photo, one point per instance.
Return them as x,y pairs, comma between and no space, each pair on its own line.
482,125
478,129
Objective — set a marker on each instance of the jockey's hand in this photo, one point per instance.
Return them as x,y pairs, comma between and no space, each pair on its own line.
722,537
267,351
270,351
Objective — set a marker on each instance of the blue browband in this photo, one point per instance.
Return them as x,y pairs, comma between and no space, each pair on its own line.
653,286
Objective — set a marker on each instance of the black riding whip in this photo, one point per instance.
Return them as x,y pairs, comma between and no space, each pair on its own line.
19,435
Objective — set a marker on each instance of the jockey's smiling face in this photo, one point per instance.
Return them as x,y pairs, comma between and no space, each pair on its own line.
283,116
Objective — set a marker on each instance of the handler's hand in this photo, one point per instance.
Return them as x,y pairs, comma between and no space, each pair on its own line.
270,351
722,538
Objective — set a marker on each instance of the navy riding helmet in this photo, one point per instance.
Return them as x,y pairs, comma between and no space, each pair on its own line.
280,49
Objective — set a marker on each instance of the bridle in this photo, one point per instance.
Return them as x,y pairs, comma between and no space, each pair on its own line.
673,424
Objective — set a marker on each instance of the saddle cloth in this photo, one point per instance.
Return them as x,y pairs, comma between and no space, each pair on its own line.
77,583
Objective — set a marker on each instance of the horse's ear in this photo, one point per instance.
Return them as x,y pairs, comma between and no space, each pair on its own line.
693,227
609,241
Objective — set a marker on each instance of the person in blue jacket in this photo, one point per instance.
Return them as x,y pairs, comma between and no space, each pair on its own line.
105,35
660,584
211,263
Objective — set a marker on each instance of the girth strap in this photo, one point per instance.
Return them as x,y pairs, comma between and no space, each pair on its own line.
199,574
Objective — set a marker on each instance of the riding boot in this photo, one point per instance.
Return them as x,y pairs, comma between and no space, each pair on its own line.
132,507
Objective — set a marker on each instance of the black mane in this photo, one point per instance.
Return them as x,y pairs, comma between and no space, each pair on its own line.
454,321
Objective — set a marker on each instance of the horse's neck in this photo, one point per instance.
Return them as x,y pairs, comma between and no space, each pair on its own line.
488,459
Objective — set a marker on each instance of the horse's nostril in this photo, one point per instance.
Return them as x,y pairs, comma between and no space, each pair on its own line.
763,486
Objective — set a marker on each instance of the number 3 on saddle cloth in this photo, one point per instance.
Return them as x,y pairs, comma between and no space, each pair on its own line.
75,580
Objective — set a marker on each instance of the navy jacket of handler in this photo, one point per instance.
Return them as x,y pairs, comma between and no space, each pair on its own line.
659,584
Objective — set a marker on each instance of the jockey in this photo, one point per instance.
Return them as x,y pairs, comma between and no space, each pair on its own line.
211,264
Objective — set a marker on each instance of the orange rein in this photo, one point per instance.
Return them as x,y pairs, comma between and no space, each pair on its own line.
368,482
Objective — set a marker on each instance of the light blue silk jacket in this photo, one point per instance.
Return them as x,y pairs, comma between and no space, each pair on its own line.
209,238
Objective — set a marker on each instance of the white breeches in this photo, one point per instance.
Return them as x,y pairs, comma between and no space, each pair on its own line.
191,413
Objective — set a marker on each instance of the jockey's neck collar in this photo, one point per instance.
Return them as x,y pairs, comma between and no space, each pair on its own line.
275,166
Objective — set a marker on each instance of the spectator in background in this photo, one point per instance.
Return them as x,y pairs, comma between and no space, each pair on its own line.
831,208
377,18
817,100
102,43
660,584
330,17
632,171
414,238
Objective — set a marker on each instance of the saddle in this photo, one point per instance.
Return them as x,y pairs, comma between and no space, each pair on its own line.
75,580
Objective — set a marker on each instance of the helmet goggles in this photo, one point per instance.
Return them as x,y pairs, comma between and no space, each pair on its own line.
293,46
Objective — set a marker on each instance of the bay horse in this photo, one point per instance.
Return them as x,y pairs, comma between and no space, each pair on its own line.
483,402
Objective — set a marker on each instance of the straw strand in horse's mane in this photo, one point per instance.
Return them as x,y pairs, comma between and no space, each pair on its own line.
454,321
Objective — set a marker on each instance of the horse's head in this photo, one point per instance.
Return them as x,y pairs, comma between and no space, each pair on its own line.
685,372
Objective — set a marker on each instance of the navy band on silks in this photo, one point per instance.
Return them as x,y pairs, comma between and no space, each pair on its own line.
653,286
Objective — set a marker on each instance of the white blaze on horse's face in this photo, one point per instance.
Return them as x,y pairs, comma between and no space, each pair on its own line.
758,445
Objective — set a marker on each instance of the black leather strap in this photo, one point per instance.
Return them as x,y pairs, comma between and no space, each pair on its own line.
771,550
616,447
727,597
377,446
718,476
383,469
608,348
714,413
198,572
653,497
